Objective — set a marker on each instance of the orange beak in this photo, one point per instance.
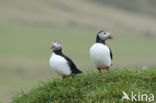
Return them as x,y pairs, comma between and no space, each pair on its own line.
111,36
51,47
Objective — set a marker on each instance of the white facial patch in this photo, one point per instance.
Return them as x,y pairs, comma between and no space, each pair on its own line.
56,45
103,35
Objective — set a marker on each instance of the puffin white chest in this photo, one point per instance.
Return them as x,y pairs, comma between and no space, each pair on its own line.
59,64
100,55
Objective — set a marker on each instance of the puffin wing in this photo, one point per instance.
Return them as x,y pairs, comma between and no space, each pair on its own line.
72,66
111,55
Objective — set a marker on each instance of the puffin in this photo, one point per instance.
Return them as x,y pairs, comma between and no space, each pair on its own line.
101,55
60,63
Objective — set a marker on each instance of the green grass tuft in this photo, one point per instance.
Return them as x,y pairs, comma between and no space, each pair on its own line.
92,88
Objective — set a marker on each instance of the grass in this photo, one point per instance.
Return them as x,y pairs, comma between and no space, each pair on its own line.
92,88
83,13
25,52
132,5
34,24
34,43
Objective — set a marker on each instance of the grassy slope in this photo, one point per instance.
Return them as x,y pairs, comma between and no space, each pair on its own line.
110,15
142,6
34,43
26,50
93,87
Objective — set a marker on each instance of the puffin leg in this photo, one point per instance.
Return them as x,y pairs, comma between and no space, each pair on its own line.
107,69
64,77
103,67
99,70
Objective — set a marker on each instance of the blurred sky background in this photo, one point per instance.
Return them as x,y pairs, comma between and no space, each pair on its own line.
27,28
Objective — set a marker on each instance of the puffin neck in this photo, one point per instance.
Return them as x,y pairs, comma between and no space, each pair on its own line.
58,52
100,41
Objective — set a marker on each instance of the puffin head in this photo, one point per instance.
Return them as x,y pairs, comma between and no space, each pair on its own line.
103,35
56,45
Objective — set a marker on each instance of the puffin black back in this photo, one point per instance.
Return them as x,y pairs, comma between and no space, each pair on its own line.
72,65
61,63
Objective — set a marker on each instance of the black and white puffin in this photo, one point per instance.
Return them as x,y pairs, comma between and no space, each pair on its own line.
100,53
60,63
